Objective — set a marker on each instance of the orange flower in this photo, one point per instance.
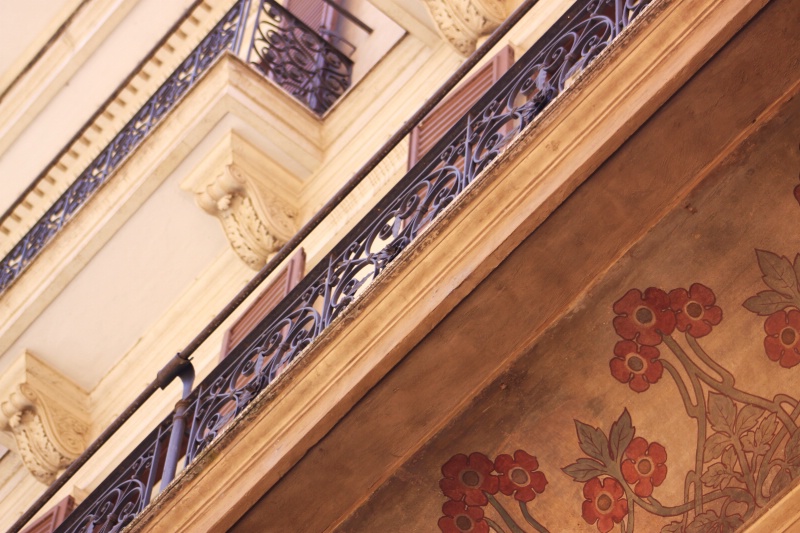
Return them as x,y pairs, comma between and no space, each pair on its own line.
605,503
695,311
644,318
468,478
638,366
644,466
519,475
782,342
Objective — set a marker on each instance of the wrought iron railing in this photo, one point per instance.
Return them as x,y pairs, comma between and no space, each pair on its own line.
290,53
226,35
438,179
298,59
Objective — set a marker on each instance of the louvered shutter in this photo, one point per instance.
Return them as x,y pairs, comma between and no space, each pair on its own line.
266,302
315,14
53,518
446,114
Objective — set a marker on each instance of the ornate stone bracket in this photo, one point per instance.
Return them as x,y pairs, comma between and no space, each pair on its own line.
463,22
43,416
256,222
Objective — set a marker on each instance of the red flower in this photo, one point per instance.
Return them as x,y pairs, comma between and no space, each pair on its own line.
605,503
468,478
644,318
636,365
462,518
519,476
695,311
782,342
644,465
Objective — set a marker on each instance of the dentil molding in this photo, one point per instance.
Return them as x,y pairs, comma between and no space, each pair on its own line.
256,222
463,22
43,417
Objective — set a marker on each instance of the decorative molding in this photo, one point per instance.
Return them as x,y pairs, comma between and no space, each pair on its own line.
256,224
463,22
45,414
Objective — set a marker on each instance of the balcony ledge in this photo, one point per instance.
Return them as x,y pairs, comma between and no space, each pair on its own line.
566,144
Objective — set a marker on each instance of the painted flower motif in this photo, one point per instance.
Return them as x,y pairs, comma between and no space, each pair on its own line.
462,518
782,342
644,317
644,466
605,503
638,366
519,475
468,478
695,312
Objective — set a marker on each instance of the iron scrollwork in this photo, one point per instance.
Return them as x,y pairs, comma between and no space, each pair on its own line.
298,59
434,182
224,36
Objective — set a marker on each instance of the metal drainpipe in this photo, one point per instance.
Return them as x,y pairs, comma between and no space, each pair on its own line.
277,259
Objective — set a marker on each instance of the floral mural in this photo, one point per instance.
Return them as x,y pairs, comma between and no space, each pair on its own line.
747,446
473,482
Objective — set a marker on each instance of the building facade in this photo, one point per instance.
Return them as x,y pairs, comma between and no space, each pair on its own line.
567,300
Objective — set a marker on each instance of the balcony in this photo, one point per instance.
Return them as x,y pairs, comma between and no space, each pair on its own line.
378,314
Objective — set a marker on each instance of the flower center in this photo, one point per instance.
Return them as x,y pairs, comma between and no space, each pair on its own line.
635,363
644,316
463,523
604,502
644,466
519,476
694,310
470,478
788,336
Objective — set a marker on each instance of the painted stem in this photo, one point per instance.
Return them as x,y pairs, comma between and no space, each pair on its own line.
766,464
523,506
494,525
631,508
749,479
653,506
504,514
700,415
731,392
727,377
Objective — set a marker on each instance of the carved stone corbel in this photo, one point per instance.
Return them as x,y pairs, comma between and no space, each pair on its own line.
256,222
463,22
46,416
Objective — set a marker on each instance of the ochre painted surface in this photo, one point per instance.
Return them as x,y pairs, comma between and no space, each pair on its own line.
705,306
381,467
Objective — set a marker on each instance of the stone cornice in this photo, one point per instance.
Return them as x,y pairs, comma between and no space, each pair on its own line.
28,96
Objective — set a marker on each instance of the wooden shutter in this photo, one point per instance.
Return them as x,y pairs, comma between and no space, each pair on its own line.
446,114
315,14
50,521
266,302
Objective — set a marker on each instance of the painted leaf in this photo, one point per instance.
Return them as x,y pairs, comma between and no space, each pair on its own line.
721,412
797,269
751,444
621,434
793,448
717,475
767,302
584,470
673,527
592,441
703,523
778,272
729,458
715,445
748,418
766,429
